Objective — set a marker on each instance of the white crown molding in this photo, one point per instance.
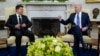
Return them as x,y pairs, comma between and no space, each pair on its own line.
46,3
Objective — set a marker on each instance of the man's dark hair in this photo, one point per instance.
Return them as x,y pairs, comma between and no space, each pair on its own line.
18,6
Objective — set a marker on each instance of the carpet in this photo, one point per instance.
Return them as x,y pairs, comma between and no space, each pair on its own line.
12,51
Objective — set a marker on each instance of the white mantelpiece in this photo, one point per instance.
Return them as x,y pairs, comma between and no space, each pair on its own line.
46,3
47,9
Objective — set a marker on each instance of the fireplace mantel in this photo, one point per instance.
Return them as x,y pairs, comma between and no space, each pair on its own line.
47,3
47,6
48,9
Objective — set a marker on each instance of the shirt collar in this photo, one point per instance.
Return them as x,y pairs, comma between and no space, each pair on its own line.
18,15
79,13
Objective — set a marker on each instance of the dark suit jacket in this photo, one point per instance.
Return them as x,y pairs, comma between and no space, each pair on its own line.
85,20
12,21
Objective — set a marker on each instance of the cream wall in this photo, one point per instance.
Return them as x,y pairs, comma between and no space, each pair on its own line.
5,4
90,6
9,3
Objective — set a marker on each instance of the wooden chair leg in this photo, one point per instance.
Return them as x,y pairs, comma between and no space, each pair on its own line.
27,44
87,45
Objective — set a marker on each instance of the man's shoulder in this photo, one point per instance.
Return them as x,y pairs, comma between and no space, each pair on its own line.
12,15
15,15
85,13
82,13
73,13
24,15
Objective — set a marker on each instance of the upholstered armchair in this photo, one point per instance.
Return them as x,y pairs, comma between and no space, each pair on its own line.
69,37
11,39
87,39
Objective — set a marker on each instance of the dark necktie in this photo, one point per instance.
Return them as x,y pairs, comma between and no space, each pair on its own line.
20,20
78,20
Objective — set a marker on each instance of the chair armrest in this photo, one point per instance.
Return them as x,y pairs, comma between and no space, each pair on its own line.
30,28
89,32
67,27
6,28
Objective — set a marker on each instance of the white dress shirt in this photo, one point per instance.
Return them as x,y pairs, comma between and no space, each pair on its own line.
80,18
18,17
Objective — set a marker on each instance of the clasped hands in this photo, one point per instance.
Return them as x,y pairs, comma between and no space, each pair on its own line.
19,26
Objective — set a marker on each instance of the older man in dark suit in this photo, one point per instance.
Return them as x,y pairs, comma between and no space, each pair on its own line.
18,25
80,25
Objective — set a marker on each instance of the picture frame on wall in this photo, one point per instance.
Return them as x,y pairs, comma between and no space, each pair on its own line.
92,1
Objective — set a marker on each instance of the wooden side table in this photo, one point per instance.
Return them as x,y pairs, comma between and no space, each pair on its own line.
98,40
3,42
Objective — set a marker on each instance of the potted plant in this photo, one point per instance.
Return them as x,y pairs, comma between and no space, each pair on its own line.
49,46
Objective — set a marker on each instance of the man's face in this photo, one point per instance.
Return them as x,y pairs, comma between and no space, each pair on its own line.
20,10
77,8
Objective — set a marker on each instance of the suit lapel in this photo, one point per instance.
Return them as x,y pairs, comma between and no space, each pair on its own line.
22,19
73,18
16,19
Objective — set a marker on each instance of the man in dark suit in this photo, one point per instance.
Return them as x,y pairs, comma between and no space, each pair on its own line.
18,25
80,25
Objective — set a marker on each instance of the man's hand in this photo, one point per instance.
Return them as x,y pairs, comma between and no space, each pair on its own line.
84,29
23,25
17,26
59,17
